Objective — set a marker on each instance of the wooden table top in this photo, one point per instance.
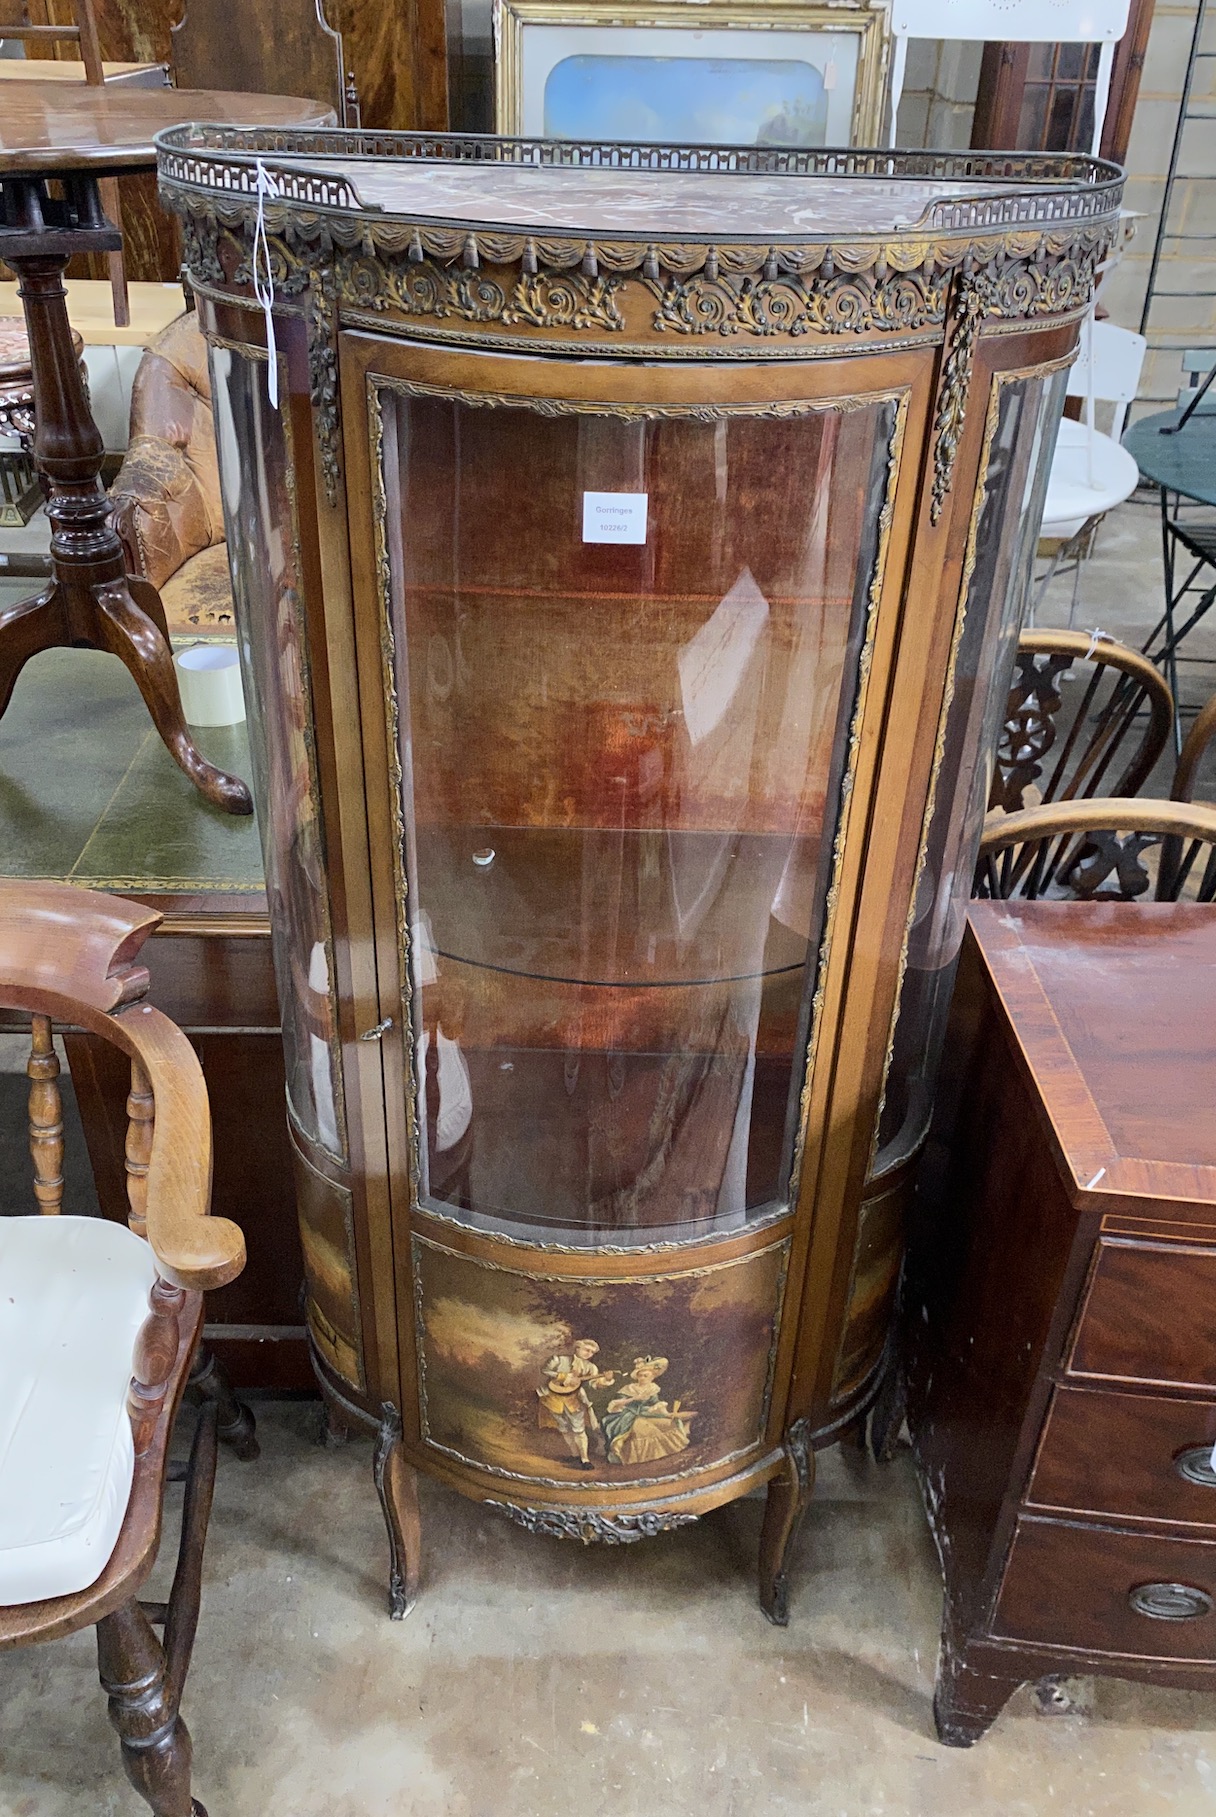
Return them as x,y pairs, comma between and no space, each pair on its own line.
1113,1006
49,127
51,69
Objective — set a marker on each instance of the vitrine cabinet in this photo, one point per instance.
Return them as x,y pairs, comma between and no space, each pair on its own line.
628,575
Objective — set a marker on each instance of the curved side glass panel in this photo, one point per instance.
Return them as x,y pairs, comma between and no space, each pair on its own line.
260,521
1005,534
623,655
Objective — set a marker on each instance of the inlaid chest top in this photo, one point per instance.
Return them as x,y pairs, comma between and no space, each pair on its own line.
1114,1006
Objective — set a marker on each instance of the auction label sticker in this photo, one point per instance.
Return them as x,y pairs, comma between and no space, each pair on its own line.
614,517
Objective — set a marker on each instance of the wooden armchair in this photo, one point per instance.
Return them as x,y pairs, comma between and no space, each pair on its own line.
1085,716
99,1324
1194,752
1100,850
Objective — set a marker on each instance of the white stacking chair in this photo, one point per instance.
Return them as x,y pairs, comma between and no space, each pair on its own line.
1090,472
1101,22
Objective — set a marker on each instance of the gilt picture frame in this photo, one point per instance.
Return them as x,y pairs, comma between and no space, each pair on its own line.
741,72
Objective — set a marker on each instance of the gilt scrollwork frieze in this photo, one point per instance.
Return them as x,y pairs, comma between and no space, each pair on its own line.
542,299
422,289
592,1527
550,299
711,301
661,297
502,279
859,303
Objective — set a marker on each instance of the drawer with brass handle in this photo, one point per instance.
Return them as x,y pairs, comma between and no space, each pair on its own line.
1133,1595
1133,1456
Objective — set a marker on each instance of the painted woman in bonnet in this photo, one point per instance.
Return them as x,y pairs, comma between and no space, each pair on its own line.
639,1426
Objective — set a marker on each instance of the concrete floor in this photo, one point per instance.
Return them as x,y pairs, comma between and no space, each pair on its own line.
537,1678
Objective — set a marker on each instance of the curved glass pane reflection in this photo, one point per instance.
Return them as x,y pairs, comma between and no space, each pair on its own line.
621,751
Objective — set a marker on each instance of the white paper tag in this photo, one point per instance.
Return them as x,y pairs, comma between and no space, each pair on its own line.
614,517
263,279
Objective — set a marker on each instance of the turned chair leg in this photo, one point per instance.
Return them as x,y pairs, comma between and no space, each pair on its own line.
155,1741
237,1426
397,1487
144,1679
788,1495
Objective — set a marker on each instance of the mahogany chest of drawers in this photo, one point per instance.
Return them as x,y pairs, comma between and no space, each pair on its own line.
1062,1305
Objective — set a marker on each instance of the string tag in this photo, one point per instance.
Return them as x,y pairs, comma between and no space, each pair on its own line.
1095,638
263,278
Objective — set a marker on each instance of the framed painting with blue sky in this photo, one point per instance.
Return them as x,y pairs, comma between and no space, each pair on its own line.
728,72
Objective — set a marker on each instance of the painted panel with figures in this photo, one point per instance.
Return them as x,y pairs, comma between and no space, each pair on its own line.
574,1378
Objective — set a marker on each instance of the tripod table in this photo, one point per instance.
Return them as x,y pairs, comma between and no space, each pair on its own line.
57,141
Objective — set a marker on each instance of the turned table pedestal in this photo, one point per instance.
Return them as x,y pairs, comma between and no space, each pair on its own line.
56,145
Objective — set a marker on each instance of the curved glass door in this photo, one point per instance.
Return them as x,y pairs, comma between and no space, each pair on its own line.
255,463
624,651
1004,536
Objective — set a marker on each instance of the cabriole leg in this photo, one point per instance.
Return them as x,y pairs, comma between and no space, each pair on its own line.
397,1487
788,1495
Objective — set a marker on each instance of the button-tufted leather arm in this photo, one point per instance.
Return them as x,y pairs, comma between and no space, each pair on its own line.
166,497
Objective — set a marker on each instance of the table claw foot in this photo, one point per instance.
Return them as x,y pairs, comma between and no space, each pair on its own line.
127,622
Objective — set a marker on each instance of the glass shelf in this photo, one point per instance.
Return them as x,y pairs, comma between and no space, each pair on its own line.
632,909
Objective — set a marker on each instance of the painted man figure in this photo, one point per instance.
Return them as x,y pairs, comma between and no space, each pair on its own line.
564,1401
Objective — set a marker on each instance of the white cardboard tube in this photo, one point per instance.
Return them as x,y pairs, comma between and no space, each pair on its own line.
209,678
